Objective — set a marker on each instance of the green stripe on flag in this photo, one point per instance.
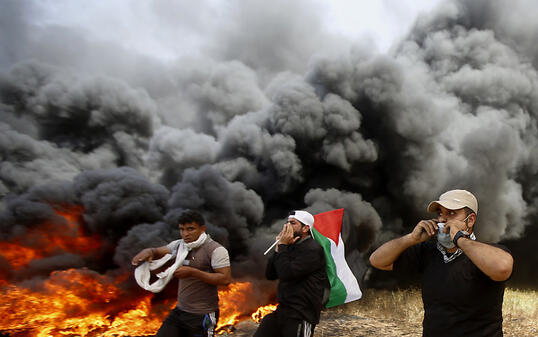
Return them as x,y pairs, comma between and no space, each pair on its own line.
338,290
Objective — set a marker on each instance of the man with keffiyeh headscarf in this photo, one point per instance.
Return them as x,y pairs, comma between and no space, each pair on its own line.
463,280
201,265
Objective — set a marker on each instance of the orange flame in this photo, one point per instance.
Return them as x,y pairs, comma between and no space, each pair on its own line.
262,312
49,238
70,300
74,239
85,303
17,255
236,306
136,322
232,300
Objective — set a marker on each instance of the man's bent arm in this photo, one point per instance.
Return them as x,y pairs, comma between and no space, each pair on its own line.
492,261
149,254
220,276
383,257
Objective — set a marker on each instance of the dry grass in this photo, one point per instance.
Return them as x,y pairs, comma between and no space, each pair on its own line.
401,305
384,313
520,312
404,309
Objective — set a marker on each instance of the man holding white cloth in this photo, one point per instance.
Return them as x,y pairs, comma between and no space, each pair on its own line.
202,265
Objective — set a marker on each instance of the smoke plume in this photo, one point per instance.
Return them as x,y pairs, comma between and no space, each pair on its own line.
271,113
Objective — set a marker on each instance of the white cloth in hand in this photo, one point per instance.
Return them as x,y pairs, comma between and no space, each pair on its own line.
143,272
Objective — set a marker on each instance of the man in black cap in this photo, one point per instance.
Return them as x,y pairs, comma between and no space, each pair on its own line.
299,264
462,279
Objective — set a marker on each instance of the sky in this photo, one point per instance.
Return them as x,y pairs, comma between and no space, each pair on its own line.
142,27
383,21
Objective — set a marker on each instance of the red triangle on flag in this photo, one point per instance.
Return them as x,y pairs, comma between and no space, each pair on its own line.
329,224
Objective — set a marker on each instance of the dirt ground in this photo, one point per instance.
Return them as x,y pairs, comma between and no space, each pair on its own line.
343,325
334,324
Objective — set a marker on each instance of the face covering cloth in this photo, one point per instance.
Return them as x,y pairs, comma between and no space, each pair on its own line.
457,253
444,238
143,272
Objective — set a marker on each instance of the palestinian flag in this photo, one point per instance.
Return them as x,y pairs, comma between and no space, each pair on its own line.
327,231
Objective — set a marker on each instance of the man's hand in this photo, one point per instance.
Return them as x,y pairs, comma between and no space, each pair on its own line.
184,272
454,226
424,230
144,255
286,236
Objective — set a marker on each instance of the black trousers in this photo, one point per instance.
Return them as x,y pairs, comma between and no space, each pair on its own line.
277,324
185,324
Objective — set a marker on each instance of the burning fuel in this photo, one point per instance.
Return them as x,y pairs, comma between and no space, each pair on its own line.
262,312
78,302
49,238
82,303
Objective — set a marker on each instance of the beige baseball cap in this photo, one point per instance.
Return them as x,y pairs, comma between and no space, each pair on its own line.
455,199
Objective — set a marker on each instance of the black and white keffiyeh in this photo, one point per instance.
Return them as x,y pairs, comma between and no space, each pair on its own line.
457,253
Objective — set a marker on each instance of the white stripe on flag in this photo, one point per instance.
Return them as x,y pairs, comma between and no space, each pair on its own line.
344,273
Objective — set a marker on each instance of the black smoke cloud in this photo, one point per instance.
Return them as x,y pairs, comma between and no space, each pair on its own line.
264,120
24,211
115,199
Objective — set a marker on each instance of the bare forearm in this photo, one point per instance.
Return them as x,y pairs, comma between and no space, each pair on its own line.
492,261
159,252
149,254
217,279
383,257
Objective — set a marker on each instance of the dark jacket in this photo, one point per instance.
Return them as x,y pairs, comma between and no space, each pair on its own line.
300,267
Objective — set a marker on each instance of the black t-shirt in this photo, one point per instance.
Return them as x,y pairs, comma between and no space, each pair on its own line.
459,299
